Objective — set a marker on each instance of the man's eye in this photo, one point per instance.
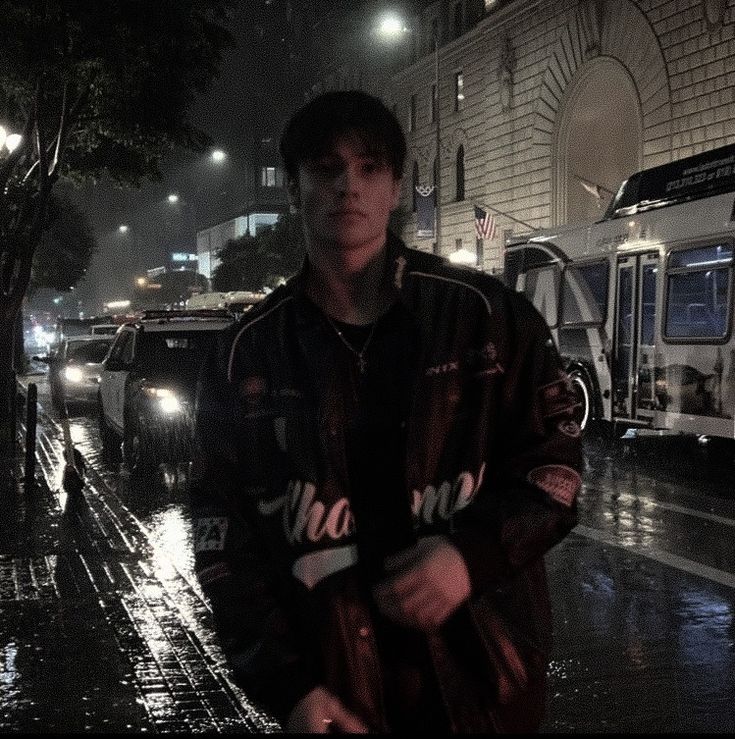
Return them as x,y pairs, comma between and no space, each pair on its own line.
328,167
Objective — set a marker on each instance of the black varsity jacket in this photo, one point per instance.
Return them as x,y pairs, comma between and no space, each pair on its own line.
493,461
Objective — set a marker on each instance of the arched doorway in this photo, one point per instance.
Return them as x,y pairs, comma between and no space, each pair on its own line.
598,140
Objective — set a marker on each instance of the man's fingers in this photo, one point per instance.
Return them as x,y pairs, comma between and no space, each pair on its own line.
346,721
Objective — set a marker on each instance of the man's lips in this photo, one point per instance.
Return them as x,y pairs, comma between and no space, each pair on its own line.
348,212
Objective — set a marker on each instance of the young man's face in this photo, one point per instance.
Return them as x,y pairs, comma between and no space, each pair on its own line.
346,197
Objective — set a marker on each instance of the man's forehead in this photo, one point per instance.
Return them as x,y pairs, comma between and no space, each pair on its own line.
354,143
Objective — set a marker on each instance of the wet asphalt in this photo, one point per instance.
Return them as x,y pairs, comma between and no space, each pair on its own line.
103,627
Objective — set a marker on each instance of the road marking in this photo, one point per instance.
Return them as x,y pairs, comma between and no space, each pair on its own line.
674,508
659,555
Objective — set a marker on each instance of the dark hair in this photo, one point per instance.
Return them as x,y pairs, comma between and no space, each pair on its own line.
315,127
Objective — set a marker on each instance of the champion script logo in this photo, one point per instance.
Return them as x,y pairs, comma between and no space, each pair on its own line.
307,519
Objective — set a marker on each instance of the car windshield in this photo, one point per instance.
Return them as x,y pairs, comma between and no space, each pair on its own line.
104,330
179,353
88,351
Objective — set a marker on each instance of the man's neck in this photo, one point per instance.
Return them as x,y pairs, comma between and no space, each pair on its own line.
349,288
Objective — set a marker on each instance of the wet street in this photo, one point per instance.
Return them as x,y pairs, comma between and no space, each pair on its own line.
643,590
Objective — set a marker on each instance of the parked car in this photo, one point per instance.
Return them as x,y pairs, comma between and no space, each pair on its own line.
74,368
147,386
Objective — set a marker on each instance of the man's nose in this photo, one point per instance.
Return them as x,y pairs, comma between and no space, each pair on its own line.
348,181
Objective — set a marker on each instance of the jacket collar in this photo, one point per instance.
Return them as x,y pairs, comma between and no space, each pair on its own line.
398,257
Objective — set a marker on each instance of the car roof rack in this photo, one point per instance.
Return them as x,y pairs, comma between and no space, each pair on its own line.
191,313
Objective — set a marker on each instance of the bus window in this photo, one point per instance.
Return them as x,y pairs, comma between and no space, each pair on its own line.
584,293
698,293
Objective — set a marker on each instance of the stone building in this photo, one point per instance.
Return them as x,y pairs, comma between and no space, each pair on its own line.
546,106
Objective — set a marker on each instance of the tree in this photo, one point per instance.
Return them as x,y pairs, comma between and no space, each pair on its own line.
264,260
65,249
93,88
240,266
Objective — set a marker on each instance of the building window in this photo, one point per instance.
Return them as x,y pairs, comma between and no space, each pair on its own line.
460,173
458,90
412,113
433,103
457,29
268,177
414,185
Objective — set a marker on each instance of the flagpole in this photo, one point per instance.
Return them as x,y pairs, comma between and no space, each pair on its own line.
506,215
437,192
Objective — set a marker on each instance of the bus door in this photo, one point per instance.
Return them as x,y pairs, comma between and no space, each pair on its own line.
635,337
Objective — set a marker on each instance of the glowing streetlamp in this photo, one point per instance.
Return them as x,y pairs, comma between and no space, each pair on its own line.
122,228
392,27
8,140
218,156
173,198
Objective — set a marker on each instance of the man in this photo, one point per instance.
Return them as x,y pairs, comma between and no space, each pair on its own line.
387,451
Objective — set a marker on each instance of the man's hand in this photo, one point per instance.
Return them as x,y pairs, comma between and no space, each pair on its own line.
429,583
321,712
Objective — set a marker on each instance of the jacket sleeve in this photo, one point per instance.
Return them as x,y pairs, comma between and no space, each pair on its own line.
231,560
528,500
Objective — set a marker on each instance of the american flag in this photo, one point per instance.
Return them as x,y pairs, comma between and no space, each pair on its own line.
484,224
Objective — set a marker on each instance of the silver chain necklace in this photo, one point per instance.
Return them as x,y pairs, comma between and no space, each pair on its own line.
361,361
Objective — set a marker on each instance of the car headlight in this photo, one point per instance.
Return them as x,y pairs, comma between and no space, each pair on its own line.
73,374
165,398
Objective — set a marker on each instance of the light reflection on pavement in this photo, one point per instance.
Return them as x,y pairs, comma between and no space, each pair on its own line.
644,597
99,595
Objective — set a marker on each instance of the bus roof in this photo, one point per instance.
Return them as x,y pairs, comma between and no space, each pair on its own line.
691,178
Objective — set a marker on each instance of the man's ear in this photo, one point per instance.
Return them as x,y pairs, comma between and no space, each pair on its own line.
396,193
294,193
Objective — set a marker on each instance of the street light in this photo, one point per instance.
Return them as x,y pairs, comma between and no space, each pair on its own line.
173,198
218,155
392,27
122,228
9,141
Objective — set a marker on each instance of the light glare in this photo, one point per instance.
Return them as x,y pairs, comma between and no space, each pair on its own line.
12,141
391,26
73,374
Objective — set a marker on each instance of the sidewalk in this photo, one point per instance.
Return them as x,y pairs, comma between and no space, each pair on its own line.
99,631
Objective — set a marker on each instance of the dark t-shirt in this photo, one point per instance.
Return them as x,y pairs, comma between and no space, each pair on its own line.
378,402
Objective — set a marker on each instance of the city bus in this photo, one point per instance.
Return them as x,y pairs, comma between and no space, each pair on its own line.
640,303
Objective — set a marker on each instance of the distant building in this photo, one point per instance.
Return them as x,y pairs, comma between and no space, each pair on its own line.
211,240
